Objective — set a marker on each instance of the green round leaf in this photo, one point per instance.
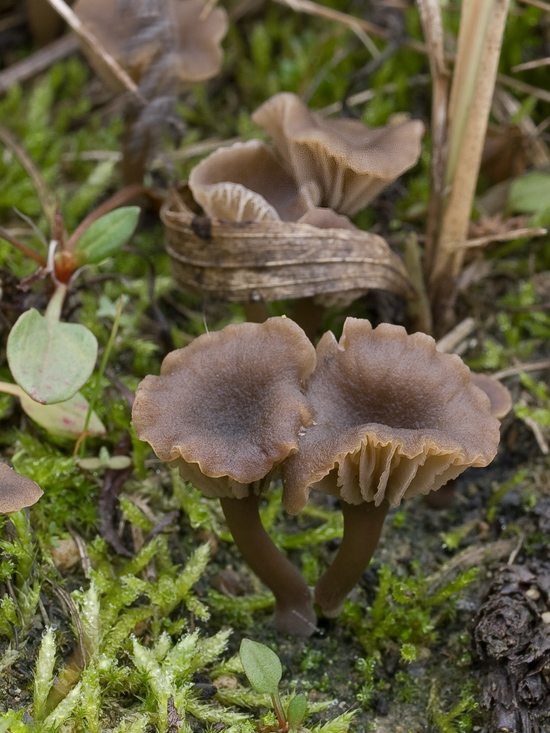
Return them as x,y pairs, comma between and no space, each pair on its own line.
296,711
50,360
106,235
64,419
261,666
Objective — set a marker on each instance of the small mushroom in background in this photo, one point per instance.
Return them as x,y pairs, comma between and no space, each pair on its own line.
246,182
393,418
226,410
165,46
341,164
189,31
16,491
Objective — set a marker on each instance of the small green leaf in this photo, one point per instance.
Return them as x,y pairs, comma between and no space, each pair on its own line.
530,193
261,666
50,360
106,235
63,419
296,711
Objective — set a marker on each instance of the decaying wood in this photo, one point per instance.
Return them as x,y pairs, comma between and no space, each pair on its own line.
274,260
512,640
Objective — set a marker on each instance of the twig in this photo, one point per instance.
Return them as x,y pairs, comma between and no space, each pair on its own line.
503,237
531,64
512,371
38,62
537,432
450,341
470,558
537,4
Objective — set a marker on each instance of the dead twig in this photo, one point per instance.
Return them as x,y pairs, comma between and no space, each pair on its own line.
38,62
502,237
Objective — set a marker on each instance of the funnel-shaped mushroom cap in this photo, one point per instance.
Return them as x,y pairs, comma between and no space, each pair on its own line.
228,407
246,182
392,418
341,164
16,491
186,28
499,397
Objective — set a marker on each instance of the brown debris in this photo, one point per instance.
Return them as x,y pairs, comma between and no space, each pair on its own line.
513,643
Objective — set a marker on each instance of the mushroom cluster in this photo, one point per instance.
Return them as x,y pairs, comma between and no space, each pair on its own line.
339,165
375,418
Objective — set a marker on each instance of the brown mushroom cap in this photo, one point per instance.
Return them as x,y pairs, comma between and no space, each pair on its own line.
499,397
341,164
246,182
392,418
229,406
16,491
197,33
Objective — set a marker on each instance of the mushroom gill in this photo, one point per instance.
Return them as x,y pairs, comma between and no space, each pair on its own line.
392,418
226,410
246,182
340,164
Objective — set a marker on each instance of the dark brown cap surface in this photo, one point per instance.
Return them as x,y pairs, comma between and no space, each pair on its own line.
340,164
229,406
392,418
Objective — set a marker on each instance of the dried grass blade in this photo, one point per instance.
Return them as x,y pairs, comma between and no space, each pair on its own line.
432,24
469,106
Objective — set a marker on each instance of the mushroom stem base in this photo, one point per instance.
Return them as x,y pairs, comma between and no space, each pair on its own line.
294,612
362,527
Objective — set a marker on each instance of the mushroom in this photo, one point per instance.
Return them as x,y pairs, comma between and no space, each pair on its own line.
500,405
16,491
499,397
189,29
226,410
246,182
340,164
165,47
393,418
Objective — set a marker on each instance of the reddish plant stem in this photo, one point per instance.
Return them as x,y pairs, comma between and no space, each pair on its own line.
362,527
23,247
294,612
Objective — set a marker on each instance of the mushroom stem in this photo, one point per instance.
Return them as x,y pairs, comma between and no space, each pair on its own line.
362,527
309,315
294,612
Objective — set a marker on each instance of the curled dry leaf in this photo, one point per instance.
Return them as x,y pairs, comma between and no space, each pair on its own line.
275,259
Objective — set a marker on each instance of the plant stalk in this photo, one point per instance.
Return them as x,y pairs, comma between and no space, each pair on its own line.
479,44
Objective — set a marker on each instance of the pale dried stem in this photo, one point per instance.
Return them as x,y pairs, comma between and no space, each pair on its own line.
537,4
503,237
479,44
432,24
